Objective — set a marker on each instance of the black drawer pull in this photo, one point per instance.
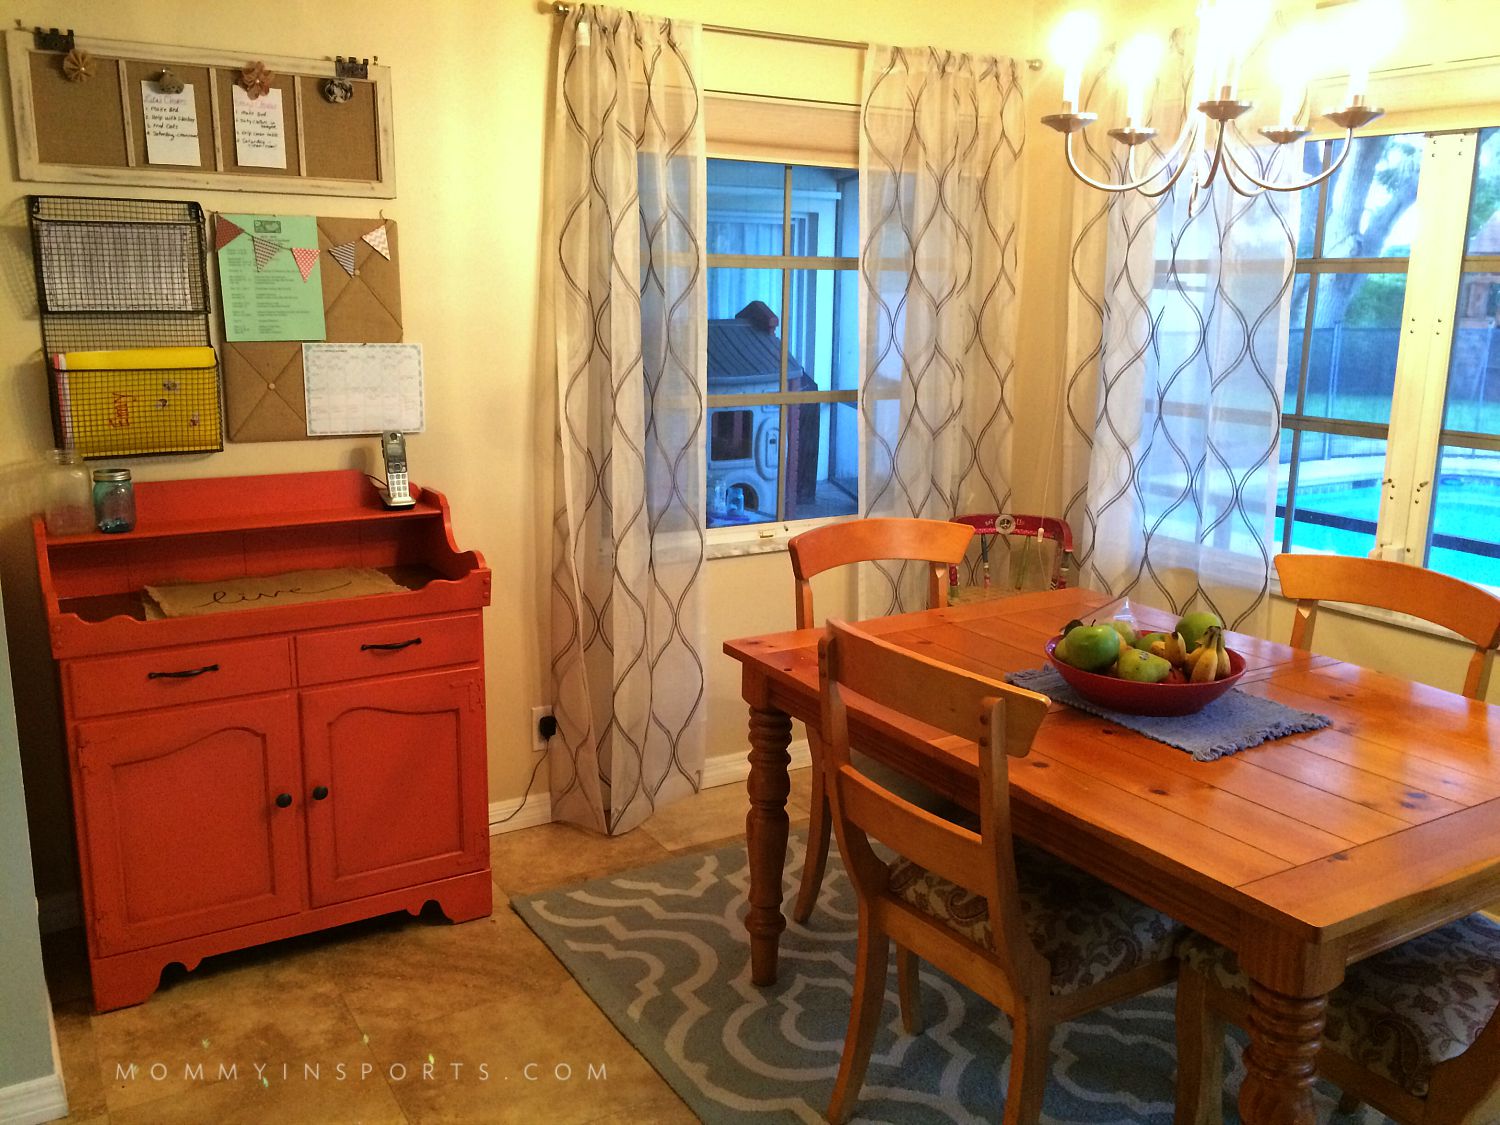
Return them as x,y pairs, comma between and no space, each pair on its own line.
283,800
320,792
393,646
184,675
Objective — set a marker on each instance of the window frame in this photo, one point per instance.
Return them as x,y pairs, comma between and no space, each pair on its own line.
738,539
1434,272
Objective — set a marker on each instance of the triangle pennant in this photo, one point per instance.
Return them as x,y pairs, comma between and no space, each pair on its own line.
343,254
306,258
377,238
225,232
265,250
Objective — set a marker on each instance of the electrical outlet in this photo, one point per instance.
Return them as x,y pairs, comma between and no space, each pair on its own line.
538,742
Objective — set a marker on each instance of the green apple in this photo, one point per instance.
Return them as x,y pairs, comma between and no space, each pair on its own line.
1093,647
1143,668
1193,625
1146,640
1060,649
1126,629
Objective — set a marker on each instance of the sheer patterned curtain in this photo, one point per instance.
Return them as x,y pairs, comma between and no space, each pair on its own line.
628,203
1176,353
940,196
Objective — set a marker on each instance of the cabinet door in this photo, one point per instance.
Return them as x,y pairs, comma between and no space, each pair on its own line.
395,783
183,832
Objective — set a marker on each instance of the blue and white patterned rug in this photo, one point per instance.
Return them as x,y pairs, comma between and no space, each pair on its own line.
663,951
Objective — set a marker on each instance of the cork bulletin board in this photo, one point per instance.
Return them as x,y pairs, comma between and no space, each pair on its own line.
93,131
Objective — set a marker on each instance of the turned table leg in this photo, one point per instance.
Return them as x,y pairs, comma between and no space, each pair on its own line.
765,836
1285,1033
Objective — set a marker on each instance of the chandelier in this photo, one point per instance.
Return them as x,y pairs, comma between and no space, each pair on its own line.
1210,139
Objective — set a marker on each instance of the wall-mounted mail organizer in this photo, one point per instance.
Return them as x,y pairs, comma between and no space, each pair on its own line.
123,296
98,111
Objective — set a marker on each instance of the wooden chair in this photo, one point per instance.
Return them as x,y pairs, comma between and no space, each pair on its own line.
1472,613
1413,1031
1038,938
936,542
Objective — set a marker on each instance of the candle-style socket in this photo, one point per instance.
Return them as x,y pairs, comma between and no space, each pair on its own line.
1224,109
1282,134
1133,135
1355,115
1069,122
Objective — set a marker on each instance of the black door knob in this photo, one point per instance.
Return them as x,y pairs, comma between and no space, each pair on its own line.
283,800
320,792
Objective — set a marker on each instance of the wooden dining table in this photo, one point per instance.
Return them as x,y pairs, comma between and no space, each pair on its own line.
1302,854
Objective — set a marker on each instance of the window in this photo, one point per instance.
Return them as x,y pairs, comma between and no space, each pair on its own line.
1391,417
783,342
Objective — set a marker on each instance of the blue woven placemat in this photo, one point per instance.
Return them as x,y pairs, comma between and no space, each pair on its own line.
1234,721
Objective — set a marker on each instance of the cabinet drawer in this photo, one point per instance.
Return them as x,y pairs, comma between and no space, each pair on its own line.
169,676
388,647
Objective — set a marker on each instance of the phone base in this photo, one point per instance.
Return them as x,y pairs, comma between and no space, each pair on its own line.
407,501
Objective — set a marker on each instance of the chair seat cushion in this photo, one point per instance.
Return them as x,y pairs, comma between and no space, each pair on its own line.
1087,930
1401,1012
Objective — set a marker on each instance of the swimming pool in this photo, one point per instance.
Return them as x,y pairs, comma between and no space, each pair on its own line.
1339,516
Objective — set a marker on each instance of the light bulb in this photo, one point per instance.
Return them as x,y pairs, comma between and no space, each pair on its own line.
1371,29
1073,39
1290,63
1138,62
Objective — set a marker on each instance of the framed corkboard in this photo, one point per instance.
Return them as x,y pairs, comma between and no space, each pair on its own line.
94,132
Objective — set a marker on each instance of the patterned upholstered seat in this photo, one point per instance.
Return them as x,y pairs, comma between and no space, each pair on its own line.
1401,1012
1087,930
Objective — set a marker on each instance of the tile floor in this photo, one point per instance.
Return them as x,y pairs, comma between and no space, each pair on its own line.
396,1019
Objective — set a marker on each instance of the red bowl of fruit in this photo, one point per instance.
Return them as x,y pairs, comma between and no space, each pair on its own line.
1135,698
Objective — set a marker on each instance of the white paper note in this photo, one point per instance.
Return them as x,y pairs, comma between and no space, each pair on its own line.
362,388
171,126
259,130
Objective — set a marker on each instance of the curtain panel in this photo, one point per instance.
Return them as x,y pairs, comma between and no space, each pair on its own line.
1174,365
628,283
940,197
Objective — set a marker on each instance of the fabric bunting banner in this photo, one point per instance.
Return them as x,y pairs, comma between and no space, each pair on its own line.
343,254
265,250
306,258
225,232
377,238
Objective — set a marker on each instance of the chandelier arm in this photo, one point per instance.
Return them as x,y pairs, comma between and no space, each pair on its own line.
1134,185
1233,169
1300,185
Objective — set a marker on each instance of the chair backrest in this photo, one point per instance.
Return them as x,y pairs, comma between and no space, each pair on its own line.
1000,718
1027,562
1472,613
937,542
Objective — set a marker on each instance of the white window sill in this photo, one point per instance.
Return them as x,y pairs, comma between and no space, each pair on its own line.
759,539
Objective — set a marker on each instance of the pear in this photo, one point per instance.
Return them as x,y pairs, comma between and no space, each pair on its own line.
1143,668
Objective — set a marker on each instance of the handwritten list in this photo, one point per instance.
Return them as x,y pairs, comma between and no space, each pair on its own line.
171,126
259,130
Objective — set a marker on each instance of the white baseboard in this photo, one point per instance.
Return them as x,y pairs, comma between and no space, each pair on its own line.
518,813
726,769
31,1103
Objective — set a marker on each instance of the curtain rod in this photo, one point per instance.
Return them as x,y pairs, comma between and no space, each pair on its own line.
782,36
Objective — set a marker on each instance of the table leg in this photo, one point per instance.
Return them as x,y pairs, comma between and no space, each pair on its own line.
765,836
1285,1034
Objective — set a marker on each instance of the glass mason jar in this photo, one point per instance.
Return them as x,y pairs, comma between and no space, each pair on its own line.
67,503
114,500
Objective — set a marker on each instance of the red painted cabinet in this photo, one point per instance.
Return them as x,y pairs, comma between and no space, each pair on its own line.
185,835
241,777
389,765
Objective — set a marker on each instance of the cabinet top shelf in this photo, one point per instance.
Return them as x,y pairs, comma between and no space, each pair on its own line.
168,509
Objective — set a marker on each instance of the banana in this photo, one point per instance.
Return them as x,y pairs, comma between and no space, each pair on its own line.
1175,650
1222,653
1206,666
